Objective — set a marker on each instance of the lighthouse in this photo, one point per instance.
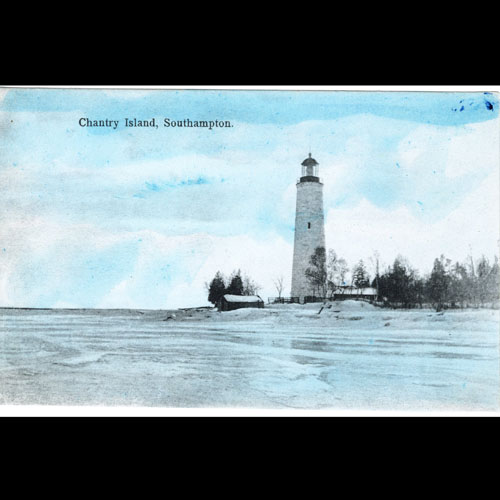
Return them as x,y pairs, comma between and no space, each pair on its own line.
309,226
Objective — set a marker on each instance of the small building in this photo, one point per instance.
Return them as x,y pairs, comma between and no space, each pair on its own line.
351,292
230,302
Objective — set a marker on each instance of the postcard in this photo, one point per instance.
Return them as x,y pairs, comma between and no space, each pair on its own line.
254,249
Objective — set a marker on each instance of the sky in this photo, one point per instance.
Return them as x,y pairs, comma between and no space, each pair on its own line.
144,217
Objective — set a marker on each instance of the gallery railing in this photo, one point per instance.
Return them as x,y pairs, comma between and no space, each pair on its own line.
283,300
312,298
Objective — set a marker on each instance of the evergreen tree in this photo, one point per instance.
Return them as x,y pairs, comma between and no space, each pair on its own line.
462,284
459,286
236,284
438,284
418,290
487,281
483,271
472,291
400,284
493,283
360,278
216,289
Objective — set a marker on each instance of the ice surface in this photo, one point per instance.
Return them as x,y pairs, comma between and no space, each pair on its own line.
352,355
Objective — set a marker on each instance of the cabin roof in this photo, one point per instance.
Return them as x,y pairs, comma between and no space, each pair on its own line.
352,290
242,298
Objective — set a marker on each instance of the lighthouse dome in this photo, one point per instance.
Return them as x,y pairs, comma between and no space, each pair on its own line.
309,162
310,170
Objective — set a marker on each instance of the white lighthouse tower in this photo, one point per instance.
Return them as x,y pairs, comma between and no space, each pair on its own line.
309,226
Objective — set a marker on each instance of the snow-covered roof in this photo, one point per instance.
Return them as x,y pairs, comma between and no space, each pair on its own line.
352,290
242,298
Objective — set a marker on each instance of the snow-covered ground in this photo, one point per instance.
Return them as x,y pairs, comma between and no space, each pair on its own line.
352,356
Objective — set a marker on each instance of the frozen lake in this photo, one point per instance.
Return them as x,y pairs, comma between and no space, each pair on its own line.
350,357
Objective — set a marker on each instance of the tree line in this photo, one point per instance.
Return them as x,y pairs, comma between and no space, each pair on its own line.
458,284
236,284
327,272
449,285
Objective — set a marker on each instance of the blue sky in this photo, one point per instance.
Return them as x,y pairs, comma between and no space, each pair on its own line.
277,107
143,217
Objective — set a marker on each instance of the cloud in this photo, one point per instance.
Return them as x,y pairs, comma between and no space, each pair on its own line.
355,233
130,93
456,151
145,218
190,262
48,263
476,150
43,261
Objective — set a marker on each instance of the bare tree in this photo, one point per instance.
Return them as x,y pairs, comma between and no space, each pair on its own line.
250,287
279,284
375,262
316,273
331,269
343,270
337,269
